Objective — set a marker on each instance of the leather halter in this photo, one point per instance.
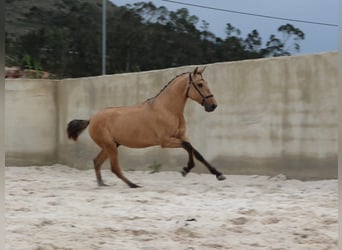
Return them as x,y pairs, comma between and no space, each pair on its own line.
193,84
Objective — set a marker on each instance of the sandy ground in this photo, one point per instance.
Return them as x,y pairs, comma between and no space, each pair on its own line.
57,207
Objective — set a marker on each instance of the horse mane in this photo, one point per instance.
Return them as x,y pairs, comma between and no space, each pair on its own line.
153,97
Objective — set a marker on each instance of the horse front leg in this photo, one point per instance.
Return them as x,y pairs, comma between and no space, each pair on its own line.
175,142
188,147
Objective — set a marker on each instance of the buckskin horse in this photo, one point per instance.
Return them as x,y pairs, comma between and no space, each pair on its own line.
157,121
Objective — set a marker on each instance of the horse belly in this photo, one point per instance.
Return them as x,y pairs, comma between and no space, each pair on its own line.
134,130
136,136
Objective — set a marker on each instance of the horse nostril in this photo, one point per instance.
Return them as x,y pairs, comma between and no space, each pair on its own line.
214,106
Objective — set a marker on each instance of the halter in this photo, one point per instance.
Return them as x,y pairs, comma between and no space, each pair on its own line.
193,84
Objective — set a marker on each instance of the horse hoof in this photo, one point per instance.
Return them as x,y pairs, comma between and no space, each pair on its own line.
101,184
220,177
132,185
185,171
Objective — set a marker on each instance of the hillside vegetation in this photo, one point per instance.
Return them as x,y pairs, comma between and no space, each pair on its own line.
64,37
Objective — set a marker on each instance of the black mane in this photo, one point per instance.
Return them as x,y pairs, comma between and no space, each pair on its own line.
151,98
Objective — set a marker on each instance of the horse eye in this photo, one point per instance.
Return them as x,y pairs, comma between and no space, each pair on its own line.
200,85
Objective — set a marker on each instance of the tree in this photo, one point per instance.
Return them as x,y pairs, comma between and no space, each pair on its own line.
252,44
289,43
65,39
232,48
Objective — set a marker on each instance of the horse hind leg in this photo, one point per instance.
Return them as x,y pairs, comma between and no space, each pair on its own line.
112,152
98,161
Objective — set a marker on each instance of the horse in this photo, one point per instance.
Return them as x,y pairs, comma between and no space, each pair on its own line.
157,121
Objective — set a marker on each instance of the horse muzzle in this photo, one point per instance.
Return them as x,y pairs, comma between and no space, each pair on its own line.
209,107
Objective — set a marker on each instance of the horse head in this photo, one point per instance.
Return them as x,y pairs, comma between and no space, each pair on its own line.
199,91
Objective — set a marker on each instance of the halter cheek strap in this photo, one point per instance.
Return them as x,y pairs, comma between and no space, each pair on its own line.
193,84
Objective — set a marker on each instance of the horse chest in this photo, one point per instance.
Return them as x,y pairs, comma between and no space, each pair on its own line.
176,128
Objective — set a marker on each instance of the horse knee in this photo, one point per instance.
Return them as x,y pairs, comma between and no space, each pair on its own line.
187,146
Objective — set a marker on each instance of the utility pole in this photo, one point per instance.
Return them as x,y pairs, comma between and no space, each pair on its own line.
104,24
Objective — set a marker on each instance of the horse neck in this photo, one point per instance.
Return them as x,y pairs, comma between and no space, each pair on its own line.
173,98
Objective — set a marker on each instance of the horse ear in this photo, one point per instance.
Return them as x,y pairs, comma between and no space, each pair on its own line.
195,72
202,70
199,71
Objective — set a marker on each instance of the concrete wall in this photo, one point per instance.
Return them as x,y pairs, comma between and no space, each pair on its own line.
276,115
30,124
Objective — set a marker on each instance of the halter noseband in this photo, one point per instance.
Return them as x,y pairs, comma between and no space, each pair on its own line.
193,84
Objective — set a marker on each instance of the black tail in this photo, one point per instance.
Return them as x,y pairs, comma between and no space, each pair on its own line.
75,128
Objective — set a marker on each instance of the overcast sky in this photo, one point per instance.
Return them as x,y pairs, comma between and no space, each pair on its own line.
318,38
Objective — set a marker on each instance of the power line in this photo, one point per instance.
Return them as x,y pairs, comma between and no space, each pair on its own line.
104,35
251,14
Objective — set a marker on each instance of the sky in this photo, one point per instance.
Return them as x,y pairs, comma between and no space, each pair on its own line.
318,38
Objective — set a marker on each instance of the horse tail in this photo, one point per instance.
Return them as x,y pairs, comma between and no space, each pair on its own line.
76,127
